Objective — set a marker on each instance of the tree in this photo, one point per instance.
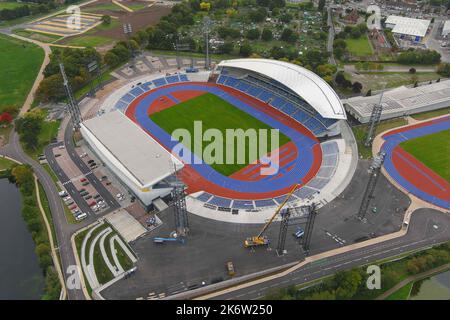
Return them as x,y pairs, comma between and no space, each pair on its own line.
227,47
321,5
245,50
266,34
253,34
205,6
288,35
106,19
369,93
357,87
6,118
412,70
29,126
111,59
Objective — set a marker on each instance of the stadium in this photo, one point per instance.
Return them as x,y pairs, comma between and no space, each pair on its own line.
133,136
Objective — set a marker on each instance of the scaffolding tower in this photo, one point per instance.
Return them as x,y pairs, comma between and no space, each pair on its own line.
285,214
72,104
373,122
374,173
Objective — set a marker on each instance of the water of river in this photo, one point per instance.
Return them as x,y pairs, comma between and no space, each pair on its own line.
20,275
435,288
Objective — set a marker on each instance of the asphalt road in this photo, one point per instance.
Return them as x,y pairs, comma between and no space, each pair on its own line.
427,227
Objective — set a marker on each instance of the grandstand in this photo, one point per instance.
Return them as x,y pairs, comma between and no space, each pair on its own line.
401,101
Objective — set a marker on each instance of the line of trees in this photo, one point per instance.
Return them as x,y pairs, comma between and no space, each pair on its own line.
414,56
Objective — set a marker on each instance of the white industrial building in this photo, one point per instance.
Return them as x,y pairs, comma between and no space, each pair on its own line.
401,101
139,161
408,28
446,29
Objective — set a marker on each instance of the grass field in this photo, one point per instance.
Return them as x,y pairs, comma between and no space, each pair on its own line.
43,37
19,64
360,133
432,150
10,5
431,114
215,113
402,293
5,164
359,47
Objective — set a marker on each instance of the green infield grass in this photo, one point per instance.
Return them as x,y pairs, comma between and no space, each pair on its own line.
432,150
215,113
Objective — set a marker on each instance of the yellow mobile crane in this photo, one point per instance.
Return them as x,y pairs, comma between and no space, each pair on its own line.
261,240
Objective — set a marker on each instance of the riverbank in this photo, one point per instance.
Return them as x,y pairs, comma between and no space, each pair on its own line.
23,177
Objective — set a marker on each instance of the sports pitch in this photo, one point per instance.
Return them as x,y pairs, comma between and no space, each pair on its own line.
214,113
432,150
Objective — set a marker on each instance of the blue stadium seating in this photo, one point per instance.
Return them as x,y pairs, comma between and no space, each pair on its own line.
159,82
172,79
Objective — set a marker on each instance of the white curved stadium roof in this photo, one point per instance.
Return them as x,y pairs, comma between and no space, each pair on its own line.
312,88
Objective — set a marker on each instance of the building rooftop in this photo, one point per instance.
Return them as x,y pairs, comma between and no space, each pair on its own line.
409,26
403,99
130,148
308,85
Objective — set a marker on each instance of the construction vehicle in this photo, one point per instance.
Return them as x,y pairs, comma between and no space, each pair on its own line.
260,239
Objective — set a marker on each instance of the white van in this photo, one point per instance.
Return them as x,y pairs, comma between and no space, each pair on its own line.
81,216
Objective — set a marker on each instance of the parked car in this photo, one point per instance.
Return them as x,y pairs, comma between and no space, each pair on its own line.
84,154
72,207
81,190
88,197
83,180
85,183
92,203
97,196
57,155
70,203
81,216
63,194
91,161
84,193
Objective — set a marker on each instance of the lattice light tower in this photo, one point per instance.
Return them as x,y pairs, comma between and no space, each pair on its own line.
206,29
285,214
179,205
374,171
72,104
373,122
306,239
